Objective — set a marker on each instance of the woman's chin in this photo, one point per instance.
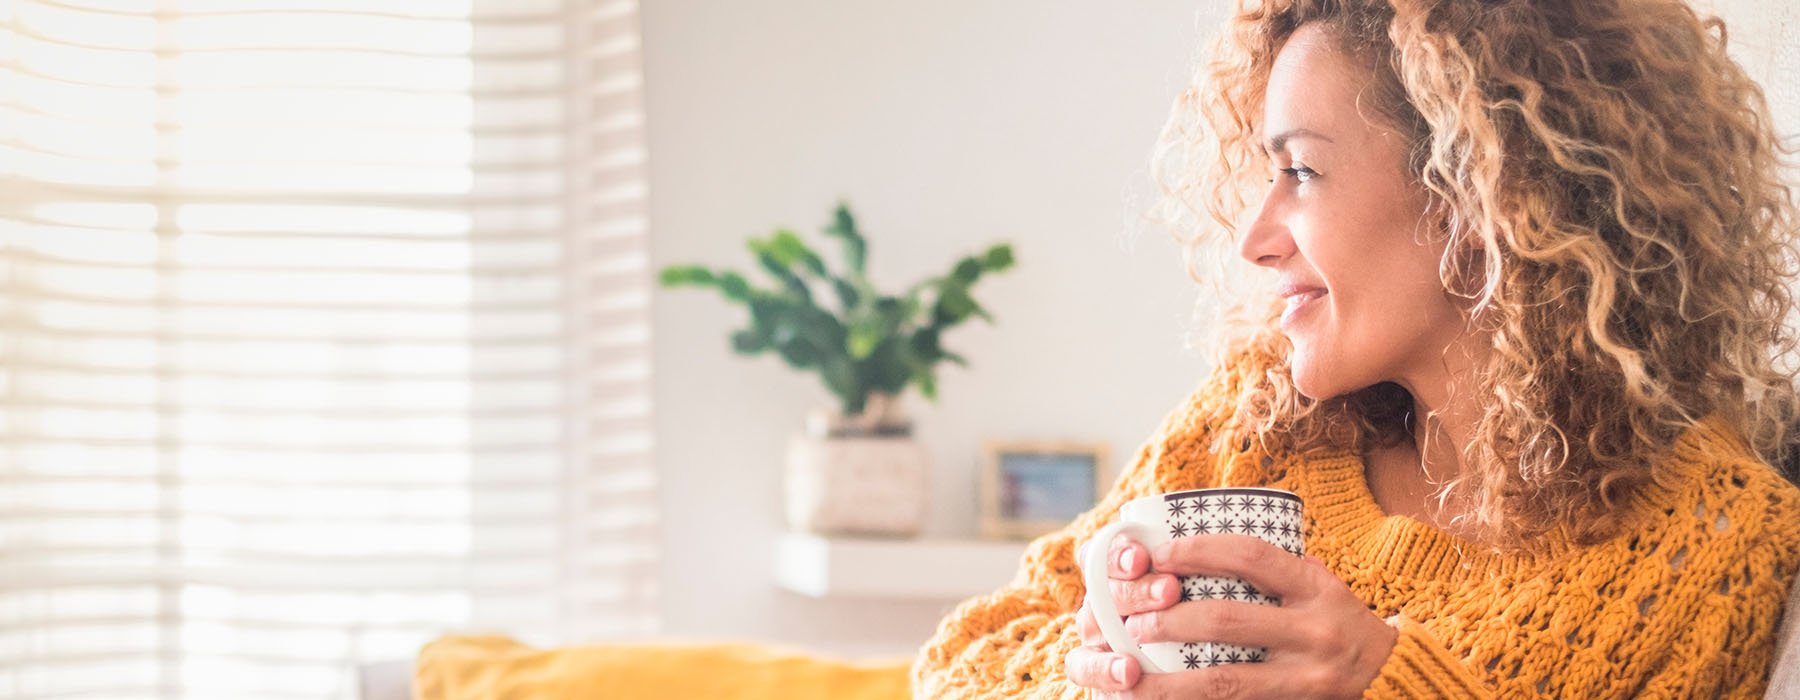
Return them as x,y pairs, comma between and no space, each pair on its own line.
1313,392
1311,381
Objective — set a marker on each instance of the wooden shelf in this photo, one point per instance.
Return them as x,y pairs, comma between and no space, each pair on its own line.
923,569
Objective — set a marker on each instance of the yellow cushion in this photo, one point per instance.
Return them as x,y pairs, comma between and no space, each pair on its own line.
496,668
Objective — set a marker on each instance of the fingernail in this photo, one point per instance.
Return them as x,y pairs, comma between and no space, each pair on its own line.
1159,589
1125,558
1118,670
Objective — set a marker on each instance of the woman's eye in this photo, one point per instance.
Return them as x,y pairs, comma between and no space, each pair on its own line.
1300,172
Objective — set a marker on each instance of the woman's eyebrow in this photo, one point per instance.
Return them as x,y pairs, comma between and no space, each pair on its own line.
1279,141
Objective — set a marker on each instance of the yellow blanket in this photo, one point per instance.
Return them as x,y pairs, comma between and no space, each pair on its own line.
498,668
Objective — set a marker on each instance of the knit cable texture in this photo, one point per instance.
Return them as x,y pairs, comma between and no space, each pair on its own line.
1684,604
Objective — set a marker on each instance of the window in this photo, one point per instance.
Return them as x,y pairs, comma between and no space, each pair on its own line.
323,330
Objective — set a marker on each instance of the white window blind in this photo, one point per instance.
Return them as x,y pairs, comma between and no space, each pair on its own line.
323,331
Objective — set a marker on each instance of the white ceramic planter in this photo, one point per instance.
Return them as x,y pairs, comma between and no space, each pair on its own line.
856,485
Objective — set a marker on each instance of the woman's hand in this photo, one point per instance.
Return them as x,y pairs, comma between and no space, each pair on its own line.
1323,642
1135,590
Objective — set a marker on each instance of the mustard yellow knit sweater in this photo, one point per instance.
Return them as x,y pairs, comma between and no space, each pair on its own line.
1683,605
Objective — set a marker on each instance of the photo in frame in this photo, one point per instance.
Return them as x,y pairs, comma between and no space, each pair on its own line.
1030,488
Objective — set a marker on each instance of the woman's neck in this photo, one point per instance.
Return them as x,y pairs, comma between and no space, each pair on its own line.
1406,478
1404,483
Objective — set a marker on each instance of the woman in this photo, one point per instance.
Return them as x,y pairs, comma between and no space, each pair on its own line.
1534,260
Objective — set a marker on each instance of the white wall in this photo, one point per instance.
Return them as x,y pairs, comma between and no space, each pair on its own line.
948,125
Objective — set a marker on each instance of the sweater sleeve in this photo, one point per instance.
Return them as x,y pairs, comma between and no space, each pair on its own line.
1011,643
1420,667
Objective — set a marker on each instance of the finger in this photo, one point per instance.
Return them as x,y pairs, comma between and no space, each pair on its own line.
1253,681
1227,621
1101,670
1126,559
1090,630
1271,569
1153,592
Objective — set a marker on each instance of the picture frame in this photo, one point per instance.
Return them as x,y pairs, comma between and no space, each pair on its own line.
1033,487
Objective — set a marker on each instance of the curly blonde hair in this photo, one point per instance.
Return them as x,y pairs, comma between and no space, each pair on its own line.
1608,187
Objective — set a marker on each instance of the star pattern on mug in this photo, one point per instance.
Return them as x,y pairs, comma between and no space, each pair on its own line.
1196,655
1274,519
1197,588
1262,513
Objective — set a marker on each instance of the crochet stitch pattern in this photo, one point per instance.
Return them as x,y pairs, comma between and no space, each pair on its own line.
1683,604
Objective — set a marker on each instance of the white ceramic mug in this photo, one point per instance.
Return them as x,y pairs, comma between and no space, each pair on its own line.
1270,514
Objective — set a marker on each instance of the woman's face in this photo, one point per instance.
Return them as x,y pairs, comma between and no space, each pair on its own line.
1343,227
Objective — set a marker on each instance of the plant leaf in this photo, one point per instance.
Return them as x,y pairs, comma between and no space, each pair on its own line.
798,353
784,246
788,250
750,341
927,384
925,346
840,377
796,287
735,287
967,271
953,305
847,294
856,248
691,275
890,307
887,368
822,329
865,333
998,258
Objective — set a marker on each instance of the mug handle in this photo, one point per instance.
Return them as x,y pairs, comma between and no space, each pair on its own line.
1099,593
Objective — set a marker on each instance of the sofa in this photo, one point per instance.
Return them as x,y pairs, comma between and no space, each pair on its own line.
468,667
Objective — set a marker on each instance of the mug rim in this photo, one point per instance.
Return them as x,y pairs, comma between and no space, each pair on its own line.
1231,490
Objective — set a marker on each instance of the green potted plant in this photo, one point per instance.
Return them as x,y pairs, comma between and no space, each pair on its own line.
867,347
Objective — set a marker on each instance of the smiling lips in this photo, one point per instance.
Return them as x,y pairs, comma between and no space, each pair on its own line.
1297,297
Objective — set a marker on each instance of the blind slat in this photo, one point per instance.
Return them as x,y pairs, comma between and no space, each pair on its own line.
30,36
21,190
518,90
391,413
302,578
278,120
453,480
522,11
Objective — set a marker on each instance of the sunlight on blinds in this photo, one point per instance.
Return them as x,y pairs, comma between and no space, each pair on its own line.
323,331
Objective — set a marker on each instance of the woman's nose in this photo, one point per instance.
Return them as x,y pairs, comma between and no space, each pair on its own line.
1267,240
